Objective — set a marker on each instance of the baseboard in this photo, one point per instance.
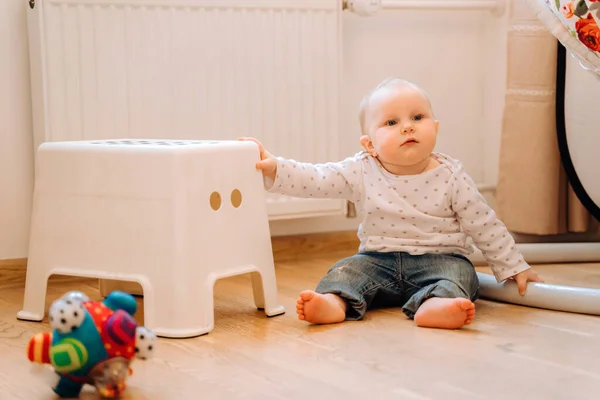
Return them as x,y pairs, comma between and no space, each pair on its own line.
17,262
285,249
12,272
288,248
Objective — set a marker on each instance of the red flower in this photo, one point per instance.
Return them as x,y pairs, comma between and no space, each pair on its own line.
588,32
567,10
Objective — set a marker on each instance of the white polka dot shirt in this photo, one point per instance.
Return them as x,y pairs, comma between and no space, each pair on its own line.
433,212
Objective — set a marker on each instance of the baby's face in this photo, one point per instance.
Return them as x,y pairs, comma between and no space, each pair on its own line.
401,126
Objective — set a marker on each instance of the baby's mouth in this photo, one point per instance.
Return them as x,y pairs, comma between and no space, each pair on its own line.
410,141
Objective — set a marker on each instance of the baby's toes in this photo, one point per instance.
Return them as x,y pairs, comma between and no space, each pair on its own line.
469,317
465,304
300,314
306,295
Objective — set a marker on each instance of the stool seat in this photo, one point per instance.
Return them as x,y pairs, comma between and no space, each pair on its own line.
172,215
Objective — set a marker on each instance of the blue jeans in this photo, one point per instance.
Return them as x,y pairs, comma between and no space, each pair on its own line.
373,279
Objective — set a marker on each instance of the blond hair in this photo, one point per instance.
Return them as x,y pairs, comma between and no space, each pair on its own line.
364,104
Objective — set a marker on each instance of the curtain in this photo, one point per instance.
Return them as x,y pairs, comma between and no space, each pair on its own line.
533,195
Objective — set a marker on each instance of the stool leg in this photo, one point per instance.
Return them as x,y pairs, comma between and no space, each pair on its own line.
181,314
35,293
264,287
258,290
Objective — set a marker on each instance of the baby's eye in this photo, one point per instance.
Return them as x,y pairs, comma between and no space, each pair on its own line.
391,122
418,117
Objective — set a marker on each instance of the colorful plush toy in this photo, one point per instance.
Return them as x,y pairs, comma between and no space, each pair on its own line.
92,343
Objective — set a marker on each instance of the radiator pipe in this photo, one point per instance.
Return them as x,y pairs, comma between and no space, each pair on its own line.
371,7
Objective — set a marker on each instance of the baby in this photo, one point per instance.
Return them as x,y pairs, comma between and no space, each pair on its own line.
418,207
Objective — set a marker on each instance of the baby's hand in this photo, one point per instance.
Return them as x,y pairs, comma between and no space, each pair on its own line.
267,163
529,275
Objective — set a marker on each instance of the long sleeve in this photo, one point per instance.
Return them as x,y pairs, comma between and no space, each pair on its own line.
480,222
330,180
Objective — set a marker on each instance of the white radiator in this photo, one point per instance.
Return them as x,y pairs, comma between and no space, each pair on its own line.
192,69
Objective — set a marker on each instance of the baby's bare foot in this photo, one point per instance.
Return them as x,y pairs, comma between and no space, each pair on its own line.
320,308
444,313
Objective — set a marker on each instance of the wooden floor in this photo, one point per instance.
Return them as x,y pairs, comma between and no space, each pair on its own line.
509,352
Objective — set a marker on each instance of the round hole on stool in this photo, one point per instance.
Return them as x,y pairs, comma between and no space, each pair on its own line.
236,198
215,200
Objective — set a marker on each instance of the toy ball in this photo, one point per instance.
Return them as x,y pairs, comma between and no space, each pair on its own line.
92,343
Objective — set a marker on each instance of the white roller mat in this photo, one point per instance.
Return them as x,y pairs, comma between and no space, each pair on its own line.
541,295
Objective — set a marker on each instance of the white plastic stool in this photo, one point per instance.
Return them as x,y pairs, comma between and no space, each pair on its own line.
174,216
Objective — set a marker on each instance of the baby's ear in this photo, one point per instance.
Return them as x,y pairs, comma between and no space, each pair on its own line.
367,144
437,126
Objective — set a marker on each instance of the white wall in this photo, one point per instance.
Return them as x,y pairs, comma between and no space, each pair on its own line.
16,159
457,56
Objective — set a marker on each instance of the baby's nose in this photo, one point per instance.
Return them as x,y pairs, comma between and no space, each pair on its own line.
408,128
